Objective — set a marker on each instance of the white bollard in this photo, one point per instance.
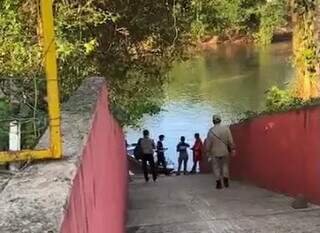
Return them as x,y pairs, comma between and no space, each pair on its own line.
14,142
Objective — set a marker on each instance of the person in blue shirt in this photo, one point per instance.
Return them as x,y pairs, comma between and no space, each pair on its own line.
182,149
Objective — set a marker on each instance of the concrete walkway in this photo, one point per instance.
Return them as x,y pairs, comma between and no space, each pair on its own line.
190,204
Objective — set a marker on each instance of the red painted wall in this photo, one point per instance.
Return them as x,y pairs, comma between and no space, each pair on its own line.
99,193
280,152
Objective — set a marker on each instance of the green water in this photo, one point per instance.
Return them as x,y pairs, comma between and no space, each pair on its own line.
227,81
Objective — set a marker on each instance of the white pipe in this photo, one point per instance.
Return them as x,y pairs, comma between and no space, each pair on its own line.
14,142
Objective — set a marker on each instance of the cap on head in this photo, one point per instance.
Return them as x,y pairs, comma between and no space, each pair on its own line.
145,132
216,119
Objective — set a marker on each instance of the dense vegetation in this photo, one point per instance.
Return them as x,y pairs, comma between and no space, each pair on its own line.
230,18
131,43
306,48
304,91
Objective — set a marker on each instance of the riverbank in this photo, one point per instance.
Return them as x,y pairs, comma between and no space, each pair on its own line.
212,42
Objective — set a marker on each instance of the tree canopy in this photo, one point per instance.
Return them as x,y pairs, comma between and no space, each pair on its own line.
132,43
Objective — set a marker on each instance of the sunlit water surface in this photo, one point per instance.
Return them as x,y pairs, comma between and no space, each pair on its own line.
227,81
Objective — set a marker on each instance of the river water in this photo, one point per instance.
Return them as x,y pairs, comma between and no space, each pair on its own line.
227,81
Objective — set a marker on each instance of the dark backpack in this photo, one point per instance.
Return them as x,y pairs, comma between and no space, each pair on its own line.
137,151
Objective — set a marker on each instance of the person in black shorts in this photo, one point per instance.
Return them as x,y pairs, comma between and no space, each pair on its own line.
182,148
160,154
147,147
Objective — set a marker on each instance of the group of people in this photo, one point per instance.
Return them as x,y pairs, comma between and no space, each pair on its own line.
182,149
217,147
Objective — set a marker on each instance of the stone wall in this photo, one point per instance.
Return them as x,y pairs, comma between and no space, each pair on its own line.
85,190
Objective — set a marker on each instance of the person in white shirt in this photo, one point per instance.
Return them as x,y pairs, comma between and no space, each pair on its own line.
147,147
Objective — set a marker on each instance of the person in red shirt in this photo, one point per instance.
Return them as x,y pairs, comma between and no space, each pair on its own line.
197,152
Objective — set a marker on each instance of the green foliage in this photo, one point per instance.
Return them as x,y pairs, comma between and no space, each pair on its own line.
306,49
131,43
139,95
127,42
31,128
225,17
237,17
279,100
19,52
76,30
198,29
241,15
302,6
272,15
4,113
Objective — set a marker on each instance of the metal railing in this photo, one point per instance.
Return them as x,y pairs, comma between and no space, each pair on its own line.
49,47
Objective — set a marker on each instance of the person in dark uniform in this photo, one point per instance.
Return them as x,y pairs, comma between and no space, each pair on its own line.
182,148
160,154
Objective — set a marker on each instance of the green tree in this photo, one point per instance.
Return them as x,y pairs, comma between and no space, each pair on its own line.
126,42
272,14
306,48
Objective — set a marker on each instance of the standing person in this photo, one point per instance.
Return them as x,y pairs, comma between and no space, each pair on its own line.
160,154
197,152
219,144
183,155
147,147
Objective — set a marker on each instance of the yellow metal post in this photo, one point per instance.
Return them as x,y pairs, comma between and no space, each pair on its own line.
24,155
49,49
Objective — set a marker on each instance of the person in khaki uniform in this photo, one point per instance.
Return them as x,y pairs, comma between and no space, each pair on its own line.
219,145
